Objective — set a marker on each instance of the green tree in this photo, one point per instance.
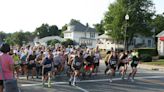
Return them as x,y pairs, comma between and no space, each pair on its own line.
99,28
158,23
18,38
64,28
3,35
46,30
140,13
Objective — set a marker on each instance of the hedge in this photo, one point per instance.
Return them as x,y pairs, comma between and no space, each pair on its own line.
149,51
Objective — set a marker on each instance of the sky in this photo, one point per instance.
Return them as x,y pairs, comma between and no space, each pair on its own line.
26,15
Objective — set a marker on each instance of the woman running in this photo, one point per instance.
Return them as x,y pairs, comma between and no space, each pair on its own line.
134,64
106,61
97,58
76,66
113,61
121,65
47,68
31,64
16,64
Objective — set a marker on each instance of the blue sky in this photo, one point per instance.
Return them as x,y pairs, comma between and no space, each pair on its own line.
28,14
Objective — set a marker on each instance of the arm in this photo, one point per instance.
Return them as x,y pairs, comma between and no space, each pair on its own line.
109,57
106,58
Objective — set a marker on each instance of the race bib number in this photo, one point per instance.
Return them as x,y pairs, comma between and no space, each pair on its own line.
113,62
135,62
77,63
48,66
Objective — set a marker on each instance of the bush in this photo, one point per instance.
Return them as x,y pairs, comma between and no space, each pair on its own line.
52,42
146,58
149,51
67,42
161,57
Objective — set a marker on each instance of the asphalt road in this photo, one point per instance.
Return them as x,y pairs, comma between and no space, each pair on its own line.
145,81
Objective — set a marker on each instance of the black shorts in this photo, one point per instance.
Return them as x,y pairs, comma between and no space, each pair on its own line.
113,67
45,71
30,66
121,64
1,82
134,65
56,66
76,67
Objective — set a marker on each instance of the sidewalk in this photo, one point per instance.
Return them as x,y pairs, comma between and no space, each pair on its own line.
151,67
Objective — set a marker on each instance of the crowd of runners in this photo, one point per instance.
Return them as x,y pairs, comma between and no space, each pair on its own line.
34,62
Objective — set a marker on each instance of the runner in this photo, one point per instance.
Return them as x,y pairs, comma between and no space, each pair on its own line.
76,66
39,60
97,58
16,64
24,63
31,65
47,69
113,61
89,65
108,54
56,63
121,65
134,64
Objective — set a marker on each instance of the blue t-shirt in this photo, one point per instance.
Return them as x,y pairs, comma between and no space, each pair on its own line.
47,63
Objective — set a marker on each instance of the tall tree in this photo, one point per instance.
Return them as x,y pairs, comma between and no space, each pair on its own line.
46,30
140,13
158,23
99,28
2,36
19,38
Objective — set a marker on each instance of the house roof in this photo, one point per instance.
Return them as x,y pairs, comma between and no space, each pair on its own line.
77,26
104,36
45,39
160,34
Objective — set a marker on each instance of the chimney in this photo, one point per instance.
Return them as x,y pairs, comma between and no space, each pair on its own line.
87,25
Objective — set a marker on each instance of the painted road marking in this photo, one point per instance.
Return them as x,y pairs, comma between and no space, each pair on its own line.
84,90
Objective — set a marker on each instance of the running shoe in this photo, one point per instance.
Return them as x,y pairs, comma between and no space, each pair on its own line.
73,84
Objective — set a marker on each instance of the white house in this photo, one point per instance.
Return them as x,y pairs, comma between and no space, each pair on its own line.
106,42
81,34
142,41
160,45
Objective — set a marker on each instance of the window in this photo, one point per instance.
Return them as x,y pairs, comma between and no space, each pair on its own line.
149,43
92,35
134,42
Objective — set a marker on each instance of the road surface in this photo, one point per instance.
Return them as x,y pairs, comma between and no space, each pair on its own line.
145,81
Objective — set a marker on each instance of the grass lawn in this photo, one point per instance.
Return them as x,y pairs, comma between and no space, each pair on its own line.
158,63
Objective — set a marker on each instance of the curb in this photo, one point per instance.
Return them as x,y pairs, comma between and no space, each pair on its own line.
151,67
